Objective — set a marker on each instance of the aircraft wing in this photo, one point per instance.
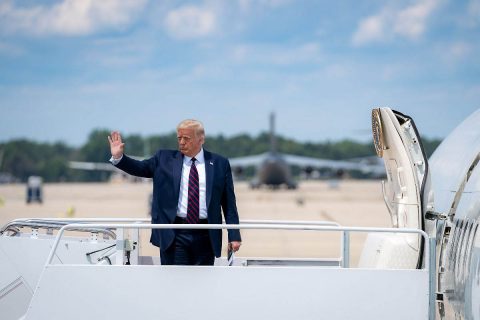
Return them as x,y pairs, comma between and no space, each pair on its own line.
322,163
248,161
101,166
372,165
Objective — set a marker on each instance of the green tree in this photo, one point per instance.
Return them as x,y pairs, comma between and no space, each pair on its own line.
23,158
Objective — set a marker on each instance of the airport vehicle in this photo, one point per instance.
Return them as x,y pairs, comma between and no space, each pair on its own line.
34,189
426,266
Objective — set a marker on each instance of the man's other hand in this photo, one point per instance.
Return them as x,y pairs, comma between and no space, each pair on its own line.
234,245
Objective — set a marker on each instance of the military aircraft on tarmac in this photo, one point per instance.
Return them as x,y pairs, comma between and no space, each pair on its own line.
273,168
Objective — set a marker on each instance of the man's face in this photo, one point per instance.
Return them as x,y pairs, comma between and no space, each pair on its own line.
189,143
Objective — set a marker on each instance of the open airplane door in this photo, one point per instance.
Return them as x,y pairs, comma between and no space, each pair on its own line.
406,192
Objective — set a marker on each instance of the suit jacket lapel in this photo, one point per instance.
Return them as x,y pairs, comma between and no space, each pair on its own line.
209,174
177,172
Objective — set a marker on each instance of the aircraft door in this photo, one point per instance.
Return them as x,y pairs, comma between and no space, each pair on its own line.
407,188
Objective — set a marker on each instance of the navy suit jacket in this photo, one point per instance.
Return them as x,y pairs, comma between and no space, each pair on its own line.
165,167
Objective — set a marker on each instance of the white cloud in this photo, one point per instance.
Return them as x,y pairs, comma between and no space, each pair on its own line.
69,17
371,29
189,22
201,19
409,22
246,5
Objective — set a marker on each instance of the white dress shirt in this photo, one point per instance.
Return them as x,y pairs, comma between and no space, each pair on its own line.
202,181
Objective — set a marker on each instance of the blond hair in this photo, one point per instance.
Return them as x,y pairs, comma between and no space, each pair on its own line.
194,124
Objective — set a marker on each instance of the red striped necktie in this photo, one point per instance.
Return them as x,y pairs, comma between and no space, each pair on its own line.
193,207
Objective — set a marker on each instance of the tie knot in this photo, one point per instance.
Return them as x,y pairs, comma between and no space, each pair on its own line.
193,160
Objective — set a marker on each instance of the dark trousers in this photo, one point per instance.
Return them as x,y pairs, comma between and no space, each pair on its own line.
190,247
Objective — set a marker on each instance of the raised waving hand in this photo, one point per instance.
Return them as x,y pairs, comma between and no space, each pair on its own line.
116,144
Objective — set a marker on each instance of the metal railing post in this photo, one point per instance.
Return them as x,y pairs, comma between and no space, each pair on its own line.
120,247
432,290
346,249
135,237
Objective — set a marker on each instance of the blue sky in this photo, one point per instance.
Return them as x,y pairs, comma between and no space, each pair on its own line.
140,66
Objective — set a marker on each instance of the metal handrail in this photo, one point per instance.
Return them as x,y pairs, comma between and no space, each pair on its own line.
35,224
240,226
292,222
73,220
70,220
56,223
46,223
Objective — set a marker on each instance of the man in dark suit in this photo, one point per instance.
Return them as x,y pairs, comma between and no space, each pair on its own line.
190,186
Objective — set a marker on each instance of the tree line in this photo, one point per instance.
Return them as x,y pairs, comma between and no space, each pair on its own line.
23,158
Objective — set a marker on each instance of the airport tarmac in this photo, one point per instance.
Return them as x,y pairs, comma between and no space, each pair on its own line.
351,203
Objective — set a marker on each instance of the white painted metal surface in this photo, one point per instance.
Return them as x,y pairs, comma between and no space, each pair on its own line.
451,160
456,183
15,294
29,255
387,251
22,259
407,172
402,190
183,292
460,279
14,301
